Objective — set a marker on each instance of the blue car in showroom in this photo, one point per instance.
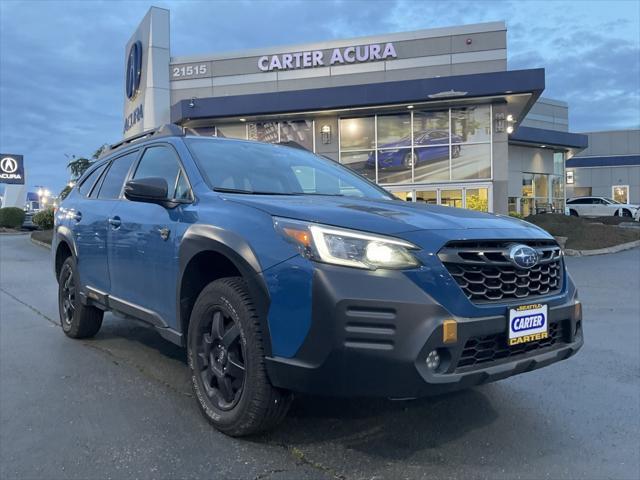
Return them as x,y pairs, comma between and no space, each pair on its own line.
282,272
399,154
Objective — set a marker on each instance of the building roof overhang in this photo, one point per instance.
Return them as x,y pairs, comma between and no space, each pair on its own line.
518,89
540,137
605,161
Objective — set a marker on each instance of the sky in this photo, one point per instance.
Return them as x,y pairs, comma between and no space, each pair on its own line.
62,63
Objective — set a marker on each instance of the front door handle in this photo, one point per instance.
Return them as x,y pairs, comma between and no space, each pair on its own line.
115,222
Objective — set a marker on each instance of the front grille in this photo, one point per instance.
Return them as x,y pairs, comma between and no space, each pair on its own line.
485,274
479,350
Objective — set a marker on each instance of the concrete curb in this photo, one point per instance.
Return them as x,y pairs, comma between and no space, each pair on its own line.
40,244
602,251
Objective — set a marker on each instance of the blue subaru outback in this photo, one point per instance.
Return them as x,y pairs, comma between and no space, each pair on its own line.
281,272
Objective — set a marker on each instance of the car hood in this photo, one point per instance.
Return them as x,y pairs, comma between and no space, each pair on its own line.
382,216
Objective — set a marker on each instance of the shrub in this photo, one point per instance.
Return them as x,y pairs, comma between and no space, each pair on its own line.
44,219
516,215
11,217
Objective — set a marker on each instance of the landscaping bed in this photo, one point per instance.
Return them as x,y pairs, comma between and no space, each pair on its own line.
44,236
586,233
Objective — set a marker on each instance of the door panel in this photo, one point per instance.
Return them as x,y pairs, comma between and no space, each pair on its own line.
144,240
91,242
142,264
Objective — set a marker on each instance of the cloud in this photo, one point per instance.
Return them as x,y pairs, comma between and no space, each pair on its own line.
61,63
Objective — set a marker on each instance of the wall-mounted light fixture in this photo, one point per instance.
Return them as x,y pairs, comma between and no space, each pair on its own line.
325,131
570,178
500,125
504,123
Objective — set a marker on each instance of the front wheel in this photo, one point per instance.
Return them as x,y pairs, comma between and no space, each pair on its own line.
226,359
573,213
77,320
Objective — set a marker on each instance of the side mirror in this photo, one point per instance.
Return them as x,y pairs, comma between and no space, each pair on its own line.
150,189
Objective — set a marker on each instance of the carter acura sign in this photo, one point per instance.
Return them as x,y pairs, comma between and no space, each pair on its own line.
317,58
11,169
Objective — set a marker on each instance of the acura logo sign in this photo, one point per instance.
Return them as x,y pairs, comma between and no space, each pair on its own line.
134,70
523,256
8,165
11,169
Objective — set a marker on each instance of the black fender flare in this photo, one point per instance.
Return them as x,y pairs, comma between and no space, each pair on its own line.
63,234
202,238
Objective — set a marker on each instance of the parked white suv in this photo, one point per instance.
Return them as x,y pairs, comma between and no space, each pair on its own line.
600,207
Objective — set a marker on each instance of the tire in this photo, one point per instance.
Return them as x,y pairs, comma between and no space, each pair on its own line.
77,320
409,160
573,213
626,213
227,364
455,151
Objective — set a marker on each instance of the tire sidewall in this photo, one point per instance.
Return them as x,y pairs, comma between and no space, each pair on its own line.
217,295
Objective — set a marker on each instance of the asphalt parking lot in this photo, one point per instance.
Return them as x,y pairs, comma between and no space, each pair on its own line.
120,406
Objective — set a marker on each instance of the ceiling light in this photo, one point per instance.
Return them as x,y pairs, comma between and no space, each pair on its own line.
242,119
509,129
509,118
409,107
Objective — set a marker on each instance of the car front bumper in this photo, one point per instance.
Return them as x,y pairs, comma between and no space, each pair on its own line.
371,333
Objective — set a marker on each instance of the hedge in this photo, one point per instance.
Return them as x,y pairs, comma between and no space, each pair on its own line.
11,217
44,219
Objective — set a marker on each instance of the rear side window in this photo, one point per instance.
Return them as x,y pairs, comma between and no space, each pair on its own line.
114,178
90,181
162,162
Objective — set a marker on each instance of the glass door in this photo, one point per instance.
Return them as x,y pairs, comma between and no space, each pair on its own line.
620,193
472,196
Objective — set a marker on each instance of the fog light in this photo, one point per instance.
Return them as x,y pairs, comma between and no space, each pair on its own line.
433,360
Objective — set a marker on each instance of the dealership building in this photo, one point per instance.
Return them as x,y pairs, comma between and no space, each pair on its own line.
433,116
609,167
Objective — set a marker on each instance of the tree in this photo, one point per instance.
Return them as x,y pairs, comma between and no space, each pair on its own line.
78,165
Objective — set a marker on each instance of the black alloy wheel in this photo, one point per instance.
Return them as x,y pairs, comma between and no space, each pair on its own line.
220,359
455,151
67,295
78,320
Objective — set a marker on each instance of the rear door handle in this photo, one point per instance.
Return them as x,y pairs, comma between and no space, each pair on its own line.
115,222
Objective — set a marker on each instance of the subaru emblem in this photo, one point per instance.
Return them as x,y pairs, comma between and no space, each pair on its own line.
523,256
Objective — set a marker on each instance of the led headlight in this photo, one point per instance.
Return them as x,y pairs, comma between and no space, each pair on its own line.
345,247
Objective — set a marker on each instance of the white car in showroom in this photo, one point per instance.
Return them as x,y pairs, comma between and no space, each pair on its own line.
601,207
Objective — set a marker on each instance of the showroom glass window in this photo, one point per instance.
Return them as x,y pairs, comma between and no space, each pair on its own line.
394,150
357,145
422,146
431,145
295,133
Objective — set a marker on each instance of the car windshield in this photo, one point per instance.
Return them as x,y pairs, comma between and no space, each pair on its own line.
259,168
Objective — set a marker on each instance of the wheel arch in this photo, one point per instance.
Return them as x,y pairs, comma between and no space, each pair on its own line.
208,253
64,248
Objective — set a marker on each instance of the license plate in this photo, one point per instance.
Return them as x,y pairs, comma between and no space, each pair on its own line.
528,323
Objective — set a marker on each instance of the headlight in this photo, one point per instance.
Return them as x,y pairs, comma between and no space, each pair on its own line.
349,248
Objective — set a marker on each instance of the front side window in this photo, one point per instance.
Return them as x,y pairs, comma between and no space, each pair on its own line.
162,162
245,167
114,178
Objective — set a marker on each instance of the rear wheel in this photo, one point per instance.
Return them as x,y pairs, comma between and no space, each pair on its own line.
77,320
226,359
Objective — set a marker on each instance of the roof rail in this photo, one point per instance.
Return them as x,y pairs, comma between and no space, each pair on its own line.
167,130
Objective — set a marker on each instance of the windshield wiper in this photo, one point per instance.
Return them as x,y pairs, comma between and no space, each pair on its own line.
249,192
